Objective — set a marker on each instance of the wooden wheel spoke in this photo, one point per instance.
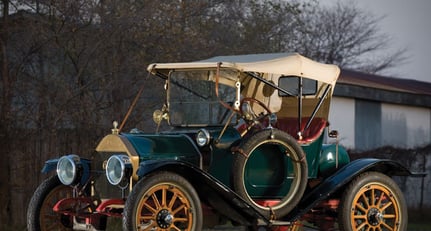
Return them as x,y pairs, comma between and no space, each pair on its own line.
147,217
387,226
365,199
172,201
50,216
178,209
372,197
359,206
360,217
386,206
149,207
150,227
389,216
54,226
379,203
361,226
50,204
156,200
163,197
181,219
51,226
175,228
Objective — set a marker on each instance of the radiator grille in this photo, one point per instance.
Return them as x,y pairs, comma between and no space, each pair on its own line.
101,187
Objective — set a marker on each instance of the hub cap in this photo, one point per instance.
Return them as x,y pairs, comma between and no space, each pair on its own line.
164,219
374,216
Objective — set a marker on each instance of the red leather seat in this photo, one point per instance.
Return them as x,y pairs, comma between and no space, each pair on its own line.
290,125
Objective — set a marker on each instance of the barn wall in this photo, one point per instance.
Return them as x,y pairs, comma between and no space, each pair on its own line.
365,125
405,126
341,117
368,124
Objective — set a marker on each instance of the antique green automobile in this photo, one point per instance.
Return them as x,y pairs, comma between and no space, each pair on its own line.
244,145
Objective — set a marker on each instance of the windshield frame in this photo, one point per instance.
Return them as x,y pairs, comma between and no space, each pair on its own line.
192,100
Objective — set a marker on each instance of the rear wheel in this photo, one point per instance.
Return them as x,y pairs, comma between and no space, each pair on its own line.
163,201
40,216
270,172
372,201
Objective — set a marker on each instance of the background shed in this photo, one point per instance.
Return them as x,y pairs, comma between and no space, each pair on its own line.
372,111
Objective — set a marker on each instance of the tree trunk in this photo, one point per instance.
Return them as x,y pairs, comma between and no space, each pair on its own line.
5,215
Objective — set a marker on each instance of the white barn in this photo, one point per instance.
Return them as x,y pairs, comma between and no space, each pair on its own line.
371,111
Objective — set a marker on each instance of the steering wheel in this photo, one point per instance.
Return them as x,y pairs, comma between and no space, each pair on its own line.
250,116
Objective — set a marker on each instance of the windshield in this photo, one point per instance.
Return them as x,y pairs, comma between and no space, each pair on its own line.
192,98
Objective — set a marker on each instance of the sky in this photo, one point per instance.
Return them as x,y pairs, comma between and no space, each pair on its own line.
408,23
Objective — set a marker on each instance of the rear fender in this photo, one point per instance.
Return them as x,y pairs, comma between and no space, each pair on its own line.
210,190
342,177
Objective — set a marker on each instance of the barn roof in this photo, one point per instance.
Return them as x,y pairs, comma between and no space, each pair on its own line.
379,88
384,82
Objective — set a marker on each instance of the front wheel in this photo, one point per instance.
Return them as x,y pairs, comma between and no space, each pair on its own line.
372,201
163,201
40,216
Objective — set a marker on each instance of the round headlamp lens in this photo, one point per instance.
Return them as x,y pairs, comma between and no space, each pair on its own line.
67,169
117,168
203,137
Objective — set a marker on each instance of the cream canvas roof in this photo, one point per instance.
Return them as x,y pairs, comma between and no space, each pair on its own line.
275,63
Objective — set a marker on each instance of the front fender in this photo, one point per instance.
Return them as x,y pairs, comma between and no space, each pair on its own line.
342,177
210,190
51,165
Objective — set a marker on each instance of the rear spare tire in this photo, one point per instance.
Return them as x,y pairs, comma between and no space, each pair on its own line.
270,172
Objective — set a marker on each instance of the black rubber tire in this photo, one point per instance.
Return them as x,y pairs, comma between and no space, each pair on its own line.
299,183
176,187
356,202
51,187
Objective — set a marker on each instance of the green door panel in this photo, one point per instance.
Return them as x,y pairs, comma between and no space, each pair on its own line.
312,153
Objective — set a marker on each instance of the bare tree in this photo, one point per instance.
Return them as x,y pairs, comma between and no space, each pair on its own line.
61,74
259,27
347,36
7,84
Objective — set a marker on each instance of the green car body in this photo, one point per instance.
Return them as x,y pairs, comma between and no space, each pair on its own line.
242,139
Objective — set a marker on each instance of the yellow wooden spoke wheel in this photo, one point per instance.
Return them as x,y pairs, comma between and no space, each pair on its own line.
163,201
373,201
